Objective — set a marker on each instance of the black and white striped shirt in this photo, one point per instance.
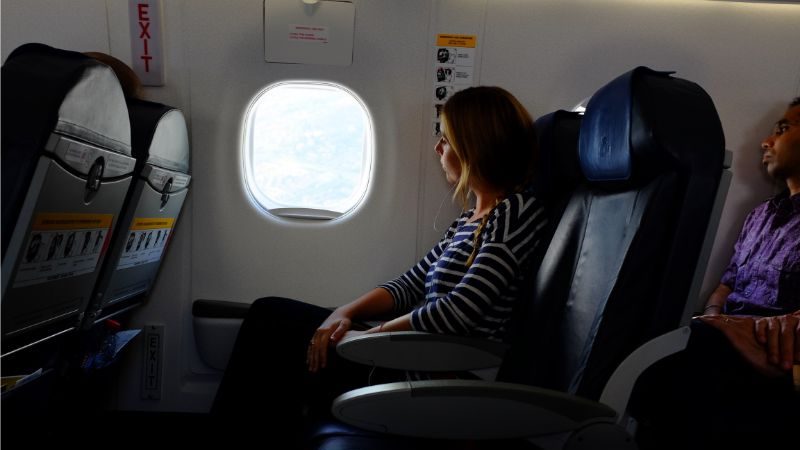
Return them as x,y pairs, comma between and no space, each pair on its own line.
447,297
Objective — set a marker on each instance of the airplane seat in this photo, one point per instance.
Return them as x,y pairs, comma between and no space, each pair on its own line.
66,166
558,173
652,150
153,203
610,297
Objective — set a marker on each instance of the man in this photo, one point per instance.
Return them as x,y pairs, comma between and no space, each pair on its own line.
733,382
763,278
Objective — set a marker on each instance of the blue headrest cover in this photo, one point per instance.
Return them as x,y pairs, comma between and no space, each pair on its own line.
605,145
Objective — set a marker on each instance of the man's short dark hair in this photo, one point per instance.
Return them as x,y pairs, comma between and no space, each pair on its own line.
795,102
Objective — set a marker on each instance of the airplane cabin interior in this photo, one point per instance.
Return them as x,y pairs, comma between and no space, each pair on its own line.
166,163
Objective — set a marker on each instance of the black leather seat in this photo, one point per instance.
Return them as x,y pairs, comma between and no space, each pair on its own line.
611,294
558,170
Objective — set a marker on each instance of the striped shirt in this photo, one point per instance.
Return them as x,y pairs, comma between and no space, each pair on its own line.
445,296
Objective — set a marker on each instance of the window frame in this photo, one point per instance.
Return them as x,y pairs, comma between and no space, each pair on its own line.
274,209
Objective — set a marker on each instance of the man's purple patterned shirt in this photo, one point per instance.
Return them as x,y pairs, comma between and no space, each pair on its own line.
764,272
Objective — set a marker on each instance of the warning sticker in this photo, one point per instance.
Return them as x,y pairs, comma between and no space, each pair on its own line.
457,40
146,241
308,33
453,68
63,245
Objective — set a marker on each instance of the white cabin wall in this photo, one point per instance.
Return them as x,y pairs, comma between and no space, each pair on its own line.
555,53
77,24
241,254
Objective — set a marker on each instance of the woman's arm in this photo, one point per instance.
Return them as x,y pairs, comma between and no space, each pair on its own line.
481,301
402,323
409,289
397,295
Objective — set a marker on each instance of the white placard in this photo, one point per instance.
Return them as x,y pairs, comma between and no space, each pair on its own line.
298,33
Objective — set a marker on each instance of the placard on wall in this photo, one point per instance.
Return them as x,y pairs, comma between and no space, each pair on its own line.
321,33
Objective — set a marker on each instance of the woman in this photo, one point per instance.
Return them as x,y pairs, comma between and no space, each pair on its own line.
467,284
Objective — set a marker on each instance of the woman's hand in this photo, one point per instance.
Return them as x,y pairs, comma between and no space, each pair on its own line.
331,331
376,302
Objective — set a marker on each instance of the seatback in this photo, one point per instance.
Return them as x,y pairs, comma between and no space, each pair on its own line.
558,171
557,175
620,265
154,201
66,166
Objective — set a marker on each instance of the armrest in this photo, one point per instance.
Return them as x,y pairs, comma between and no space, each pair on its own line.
216,324
413,350
219,309
618,389
466,409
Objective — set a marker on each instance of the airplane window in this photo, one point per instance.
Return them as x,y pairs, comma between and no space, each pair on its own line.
307,150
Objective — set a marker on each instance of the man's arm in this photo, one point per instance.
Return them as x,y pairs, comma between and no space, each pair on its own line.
716,301
770,344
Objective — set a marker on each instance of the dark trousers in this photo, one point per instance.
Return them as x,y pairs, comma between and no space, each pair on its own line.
708,396
267,389
268,399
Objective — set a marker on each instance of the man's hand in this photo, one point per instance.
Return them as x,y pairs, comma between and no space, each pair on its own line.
780,335
740,331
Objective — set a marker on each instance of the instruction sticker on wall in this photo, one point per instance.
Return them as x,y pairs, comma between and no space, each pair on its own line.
455,60
63,245
308,33
146,241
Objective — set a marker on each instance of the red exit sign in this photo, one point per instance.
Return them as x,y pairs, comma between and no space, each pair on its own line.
147,54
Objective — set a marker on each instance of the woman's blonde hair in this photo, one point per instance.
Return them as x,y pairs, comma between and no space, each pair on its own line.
493,136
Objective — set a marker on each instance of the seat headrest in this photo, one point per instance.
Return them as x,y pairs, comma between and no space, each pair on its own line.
645,122
558,170
159,135
50,89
